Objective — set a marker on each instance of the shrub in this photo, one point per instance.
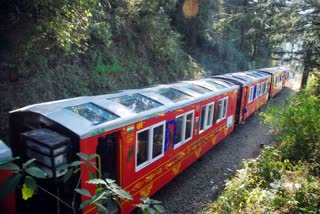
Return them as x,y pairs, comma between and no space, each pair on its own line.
297,125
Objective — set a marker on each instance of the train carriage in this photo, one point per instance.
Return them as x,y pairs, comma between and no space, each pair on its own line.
277,79
143,138
286,75
254,91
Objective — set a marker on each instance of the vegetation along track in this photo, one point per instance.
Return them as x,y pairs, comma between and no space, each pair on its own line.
199,184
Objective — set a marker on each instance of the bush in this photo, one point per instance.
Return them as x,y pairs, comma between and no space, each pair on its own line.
297,125
269,185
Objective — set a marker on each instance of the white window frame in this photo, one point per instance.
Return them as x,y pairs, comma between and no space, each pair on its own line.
250,97
224,110
150,145
208,117
184,126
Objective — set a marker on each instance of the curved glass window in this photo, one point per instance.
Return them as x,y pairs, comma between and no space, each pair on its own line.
136,102
197,88
173,94
216,85
93,113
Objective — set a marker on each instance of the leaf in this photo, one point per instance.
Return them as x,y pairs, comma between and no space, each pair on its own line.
76,163
110,181
9,166
142,206
92,175
98,196
28,163
93,156
9,160
151,210
122,194
101,207
10,185
28,187
97,181
83,192
39,28
159,208
36,172
155,201
68,175
63,167
85,203
83,156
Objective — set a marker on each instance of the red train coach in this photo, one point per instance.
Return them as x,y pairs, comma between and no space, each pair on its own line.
277,79
254,91
143,138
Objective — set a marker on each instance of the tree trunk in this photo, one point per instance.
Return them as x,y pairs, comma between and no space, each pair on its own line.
307,67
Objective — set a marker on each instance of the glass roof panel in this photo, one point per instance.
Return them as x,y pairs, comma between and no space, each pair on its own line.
216,85
93,113
173,94
226,82
239,78
253,75
136,102
197,88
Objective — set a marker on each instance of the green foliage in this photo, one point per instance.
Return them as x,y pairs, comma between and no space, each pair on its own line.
150,206
26,173
284,179
297,124
106,190
271,185
74,167
71,23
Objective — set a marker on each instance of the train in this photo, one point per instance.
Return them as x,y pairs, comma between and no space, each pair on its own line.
142,138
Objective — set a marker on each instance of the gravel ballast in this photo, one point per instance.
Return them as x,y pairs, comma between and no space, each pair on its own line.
198,185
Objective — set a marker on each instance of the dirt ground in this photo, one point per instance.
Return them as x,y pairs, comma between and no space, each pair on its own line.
197,186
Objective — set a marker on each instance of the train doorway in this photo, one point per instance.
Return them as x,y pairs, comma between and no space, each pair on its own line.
107,150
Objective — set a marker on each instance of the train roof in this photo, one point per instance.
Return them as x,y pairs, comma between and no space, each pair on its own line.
89,115
272,70
244,78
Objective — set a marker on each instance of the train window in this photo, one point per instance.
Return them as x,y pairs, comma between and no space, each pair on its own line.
262,88
277,80
158,141
206,116
198,89
149,145
143,143
222,109
173,94
189,127
266,88
256,90
250,97
184,128
93,113
137,102
179,129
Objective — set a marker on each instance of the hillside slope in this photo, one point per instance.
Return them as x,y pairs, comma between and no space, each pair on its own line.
53,50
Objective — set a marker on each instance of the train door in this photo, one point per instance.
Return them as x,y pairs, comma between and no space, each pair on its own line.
107,156
238,105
